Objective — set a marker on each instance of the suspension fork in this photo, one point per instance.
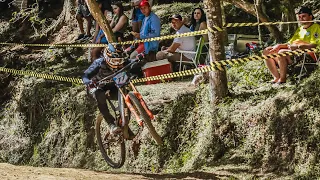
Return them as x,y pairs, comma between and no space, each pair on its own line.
143,103
131,108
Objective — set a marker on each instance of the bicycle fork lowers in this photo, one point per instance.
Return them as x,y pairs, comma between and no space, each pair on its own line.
142,102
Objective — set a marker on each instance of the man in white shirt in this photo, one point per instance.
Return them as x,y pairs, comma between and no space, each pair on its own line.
179,44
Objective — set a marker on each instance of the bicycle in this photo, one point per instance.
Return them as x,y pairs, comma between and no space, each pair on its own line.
112,146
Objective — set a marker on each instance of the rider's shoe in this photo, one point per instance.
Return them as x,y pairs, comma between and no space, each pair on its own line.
114,129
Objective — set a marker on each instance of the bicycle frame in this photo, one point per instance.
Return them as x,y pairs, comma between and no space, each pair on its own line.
127,98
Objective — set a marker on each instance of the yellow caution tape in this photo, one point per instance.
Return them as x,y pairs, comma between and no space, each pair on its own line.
228,25
55,45
218,65
41,75
195,33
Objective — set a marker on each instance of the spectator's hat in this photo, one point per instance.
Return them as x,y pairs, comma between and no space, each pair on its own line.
304,9
144,3
175,16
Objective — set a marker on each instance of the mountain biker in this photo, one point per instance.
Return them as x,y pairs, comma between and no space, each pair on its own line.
113,59
100,68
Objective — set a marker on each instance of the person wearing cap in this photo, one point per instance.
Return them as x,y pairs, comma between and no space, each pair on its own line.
179,44
136,15
150,28
305,37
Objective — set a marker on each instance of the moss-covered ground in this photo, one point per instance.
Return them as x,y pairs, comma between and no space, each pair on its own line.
259,130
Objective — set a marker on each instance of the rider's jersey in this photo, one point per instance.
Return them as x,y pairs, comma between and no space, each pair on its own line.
96,72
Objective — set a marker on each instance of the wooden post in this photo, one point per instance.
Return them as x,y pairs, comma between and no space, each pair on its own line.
101,20
217,79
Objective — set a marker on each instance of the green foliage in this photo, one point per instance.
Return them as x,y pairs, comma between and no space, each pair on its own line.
30,15
164,11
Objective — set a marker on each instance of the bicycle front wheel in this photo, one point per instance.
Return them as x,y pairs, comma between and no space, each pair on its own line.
112,147
146,119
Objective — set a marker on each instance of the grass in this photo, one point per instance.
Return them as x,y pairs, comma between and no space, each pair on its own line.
258,131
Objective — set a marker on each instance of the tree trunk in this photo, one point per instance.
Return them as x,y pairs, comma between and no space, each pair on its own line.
249,8
225,33
100,19
291,16
257,4
217,79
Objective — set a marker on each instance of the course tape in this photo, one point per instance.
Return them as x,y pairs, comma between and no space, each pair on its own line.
195,33
55,45
41,75
218,65
228,25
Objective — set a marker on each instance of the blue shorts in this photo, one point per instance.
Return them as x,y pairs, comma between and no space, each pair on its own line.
138,16
103,40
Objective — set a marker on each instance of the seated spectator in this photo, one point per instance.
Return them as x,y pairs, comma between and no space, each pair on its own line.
179,44
83,12
306,37
150,28
198,22
119,24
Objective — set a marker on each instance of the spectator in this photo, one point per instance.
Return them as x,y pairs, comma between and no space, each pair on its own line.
118,24
306,37
181,43
136,14
150,28
83,12
198,22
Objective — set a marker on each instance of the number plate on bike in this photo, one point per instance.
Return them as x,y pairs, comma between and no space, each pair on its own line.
121,78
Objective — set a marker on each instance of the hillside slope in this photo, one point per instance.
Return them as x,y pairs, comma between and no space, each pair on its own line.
258,130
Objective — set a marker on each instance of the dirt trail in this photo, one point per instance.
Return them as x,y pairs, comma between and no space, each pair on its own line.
8,171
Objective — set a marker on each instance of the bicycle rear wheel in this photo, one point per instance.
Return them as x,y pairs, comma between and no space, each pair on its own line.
112,147
146,119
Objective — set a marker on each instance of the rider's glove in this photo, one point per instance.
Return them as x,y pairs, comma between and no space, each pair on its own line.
92,87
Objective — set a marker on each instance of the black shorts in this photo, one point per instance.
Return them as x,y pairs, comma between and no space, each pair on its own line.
83,10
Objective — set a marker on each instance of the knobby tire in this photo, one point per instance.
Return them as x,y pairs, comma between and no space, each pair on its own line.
101,146
146,119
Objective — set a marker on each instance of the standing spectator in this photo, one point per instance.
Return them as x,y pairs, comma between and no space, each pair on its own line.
83,12
150,28
119,23
181,43
198,22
